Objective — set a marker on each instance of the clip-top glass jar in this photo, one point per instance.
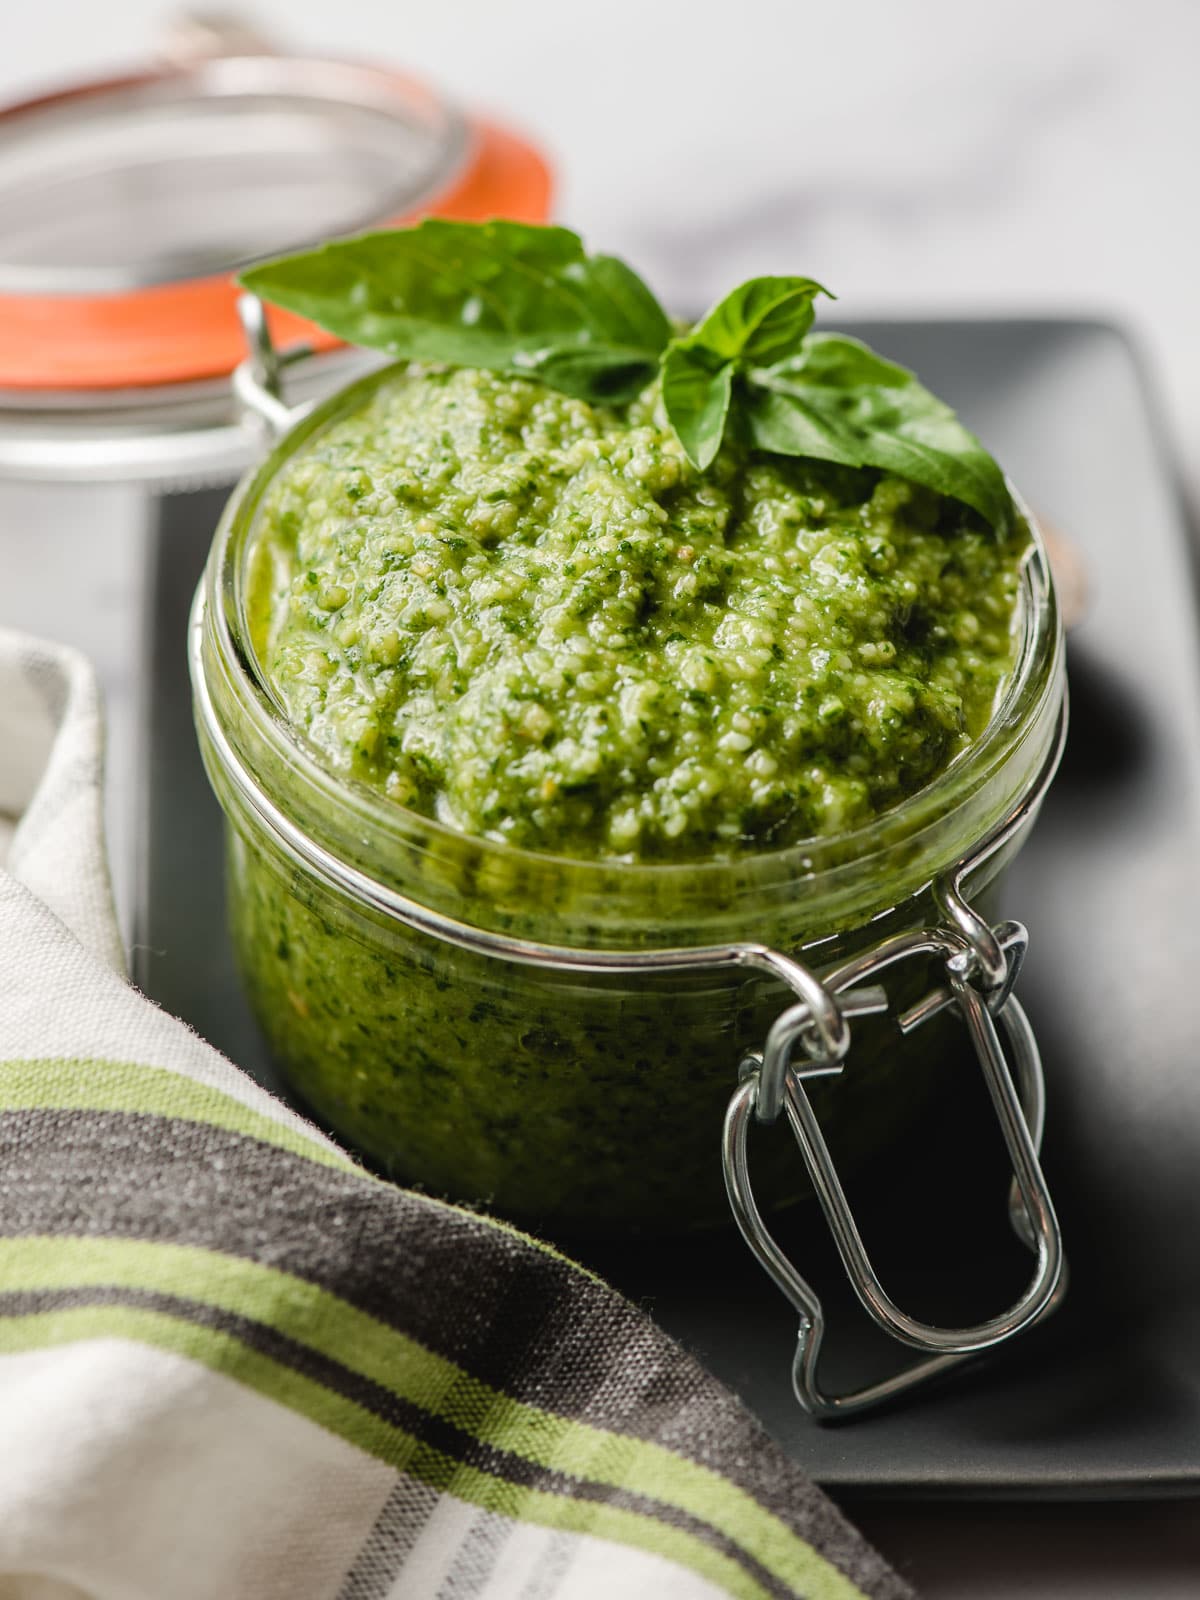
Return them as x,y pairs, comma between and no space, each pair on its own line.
461,1011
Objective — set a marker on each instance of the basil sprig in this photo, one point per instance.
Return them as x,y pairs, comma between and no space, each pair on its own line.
515,298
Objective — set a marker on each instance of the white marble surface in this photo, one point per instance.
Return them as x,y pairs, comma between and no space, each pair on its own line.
917,155
913,154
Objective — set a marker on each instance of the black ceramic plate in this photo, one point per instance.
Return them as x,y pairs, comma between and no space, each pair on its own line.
1105,1398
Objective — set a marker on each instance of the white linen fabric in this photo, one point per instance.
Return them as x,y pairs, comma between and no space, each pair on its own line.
233,1364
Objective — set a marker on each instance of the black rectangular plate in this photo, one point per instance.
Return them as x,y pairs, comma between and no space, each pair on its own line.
1105,1398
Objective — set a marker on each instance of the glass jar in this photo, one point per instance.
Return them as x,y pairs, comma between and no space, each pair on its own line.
494,1024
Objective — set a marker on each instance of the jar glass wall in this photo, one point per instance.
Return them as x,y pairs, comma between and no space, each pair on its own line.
561,1097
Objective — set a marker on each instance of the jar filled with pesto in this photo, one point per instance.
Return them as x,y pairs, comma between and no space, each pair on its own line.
502,694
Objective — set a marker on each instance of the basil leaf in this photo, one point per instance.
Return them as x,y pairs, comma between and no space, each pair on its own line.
836,400
507,296
696,391
761,321
516,298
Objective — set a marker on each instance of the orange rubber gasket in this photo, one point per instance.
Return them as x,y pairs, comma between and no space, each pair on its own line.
184,332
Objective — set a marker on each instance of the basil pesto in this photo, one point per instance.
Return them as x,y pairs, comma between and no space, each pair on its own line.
585,618
533,618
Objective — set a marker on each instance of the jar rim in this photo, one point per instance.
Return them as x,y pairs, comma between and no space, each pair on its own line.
1032,694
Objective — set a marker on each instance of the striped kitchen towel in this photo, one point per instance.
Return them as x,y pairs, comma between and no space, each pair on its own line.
234,1364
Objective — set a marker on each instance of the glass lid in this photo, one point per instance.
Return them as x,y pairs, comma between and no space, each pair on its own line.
127,205
193,172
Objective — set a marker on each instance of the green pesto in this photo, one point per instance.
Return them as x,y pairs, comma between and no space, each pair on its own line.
532,619
574,1106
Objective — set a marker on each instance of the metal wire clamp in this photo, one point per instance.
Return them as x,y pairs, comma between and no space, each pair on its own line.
980,964
258,381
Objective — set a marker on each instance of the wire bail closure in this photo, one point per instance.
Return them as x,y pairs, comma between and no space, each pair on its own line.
981,965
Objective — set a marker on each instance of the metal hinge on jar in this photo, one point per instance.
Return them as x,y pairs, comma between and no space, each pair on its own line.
812,1039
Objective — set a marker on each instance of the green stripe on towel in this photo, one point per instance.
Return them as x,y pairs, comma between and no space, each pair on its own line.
85,1085
228,1356
324,1323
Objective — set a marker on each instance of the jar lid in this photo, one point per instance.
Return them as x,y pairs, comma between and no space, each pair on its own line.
127,205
